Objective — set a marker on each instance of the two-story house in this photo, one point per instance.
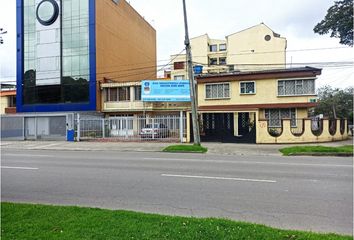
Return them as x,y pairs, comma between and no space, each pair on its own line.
231,104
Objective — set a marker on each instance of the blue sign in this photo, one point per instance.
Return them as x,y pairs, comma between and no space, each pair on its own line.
165,91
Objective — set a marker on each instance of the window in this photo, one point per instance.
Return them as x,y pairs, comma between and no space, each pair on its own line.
111,94
296,87
118,94
178,77
215,91
274,116
124,93
137,93
178,65
222,47
247,88
213,48
213,61
222,61
12,101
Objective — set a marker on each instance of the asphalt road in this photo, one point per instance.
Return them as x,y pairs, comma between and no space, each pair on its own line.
307,193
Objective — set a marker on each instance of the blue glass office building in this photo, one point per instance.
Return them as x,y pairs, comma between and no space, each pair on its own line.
56,55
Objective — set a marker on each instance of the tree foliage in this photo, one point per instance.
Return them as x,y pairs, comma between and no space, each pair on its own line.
341,100
339,22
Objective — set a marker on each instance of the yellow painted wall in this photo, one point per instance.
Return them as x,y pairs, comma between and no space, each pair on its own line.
287,137
4,101
266,92
250,47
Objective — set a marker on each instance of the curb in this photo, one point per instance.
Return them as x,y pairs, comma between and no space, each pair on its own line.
322,154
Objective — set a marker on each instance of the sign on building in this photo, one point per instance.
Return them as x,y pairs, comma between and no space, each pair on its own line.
165,91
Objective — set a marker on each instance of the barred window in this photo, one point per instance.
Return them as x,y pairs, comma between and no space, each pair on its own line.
214,91
137,93
111,94
296,87
274,116
247,88
124,93
117,94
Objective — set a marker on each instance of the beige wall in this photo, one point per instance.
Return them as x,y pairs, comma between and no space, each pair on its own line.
4,101
287,137
125,43
266,92
250,47
245,47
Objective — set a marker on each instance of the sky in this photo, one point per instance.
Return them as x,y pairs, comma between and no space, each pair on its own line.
292,19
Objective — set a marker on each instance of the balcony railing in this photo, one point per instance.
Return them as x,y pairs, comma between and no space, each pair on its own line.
143,106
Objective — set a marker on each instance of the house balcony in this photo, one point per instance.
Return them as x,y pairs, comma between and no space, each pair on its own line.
136,106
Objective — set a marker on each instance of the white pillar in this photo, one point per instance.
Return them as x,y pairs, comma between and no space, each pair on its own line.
181,126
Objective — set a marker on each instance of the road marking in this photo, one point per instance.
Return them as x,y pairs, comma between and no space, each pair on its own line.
22,168
45,146
25,155
219,178
250,162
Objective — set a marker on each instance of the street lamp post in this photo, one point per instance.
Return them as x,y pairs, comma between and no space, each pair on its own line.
196,136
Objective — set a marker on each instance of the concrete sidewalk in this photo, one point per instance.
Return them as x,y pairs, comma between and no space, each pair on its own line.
213,148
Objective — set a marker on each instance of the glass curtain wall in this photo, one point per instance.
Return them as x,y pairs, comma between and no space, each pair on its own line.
74,86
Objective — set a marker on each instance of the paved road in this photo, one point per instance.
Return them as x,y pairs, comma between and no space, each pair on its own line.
288,192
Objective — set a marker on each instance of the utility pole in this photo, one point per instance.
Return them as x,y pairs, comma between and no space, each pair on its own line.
192,84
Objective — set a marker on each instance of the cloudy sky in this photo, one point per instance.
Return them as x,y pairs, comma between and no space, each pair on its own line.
293,19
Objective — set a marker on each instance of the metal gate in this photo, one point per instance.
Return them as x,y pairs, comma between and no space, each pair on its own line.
220,127
133,128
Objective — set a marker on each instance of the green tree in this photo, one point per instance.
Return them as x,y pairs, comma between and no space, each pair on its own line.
335,102
338,21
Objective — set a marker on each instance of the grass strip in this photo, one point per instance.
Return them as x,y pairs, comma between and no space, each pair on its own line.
317,150
33,222
185,148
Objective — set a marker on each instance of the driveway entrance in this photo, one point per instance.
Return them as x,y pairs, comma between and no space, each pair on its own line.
220,127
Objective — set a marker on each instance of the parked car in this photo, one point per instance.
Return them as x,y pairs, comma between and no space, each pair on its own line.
158,130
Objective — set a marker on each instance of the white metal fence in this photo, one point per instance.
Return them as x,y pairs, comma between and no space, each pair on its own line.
133,128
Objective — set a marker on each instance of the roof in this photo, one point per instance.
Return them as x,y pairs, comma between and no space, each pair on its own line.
274,34
4,93
262,74
240,107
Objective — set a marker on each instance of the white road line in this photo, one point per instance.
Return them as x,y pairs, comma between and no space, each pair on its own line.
219,178
21,168
45,146
251,162
25,155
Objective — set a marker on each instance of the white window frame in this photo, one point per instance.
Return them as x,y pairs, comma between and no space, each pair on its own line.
221,83
254,87
183,77
294,79
222,50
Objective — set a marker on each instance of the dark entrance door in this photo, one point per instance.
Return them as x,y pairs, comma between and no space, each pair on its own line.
243,123
217,127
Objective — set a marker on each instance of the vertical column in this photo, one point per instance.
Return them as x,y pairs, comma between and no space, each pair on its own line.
181,126
78,127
